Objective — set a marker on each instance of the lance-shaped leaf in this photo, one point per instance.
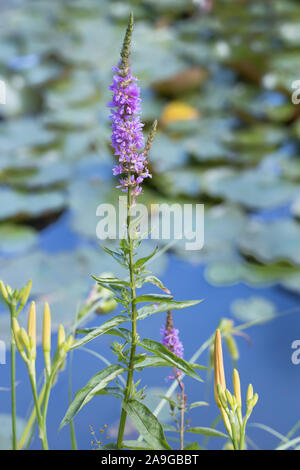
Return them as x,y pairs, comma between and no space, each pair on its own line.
153,298
152,280
117,255
207,432
164,353
114,288
136,445
100,330
93,387
140,262
147,424
163,306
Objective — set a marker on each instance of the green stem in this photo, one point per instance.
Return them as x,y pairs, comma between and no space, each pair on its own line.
31,419
133,322
42,433
13,381
72,427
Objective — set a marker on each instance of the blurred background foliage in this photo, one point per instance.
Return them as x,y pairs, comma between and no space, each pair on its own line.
217,75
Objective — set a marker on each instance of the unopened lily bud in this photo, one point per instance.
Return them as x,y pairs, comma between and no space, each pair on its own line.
249,392
16,331
61,338
232,347
237,387
24,295
23,336
47,337
218,366
32,329
4,292
69,343
9,290
221,396
229,398
253,401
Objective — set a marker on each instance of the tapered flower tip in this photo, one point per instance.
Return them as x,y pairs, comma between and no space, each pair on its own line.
32,323
249,392
125,52
61,338
3,291
47,328
237,387
218,366
16,331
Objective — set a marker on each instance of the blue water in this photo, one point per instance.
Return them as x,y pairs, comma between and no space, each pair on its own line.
266,362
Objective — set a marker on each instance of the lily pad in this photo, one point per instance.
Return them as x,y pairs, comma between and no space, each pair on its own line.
16,238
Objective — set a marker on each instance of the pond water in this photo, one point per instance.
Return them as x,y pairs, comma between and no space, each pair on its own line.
265,362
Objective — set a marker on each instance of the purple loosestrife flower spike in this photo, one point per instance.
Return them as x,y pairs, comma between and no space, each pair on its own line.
127,137
170,339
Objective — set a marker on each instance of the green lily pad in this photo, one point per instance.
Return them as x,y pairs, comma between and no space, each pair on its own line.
272,242
253,309
18,205
16,238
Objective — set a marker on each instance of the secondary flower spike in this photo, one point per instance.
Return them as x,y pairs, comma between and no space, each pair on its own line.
170,337
127,137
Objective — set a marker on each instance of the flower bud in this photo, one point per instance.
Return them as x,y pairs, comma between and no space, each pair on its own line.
69,343
249,393
16,331
47,337
4,292
218,366
229,398
61,338
253,401
23,336
32,330
24,295
237,387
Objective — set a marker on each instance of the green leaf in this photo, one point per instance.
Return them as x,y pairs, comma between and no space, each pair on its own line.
153,298
136,445
140,262
164,353
116,392
152,280
119,257
196,404
93,387
207,432
163,306
152,361
100,330
192,446
147,424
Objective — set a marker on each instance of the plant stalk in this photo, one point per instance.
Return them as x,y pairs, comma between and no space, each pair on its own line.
133,322
13,381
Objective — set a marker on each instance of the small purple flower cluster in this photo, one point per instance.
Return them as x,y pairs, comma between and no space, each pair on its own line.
127,135
170,339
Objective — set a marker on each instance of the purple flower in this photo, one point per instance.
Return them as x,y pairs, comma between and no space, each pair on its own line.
170,339
127,137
